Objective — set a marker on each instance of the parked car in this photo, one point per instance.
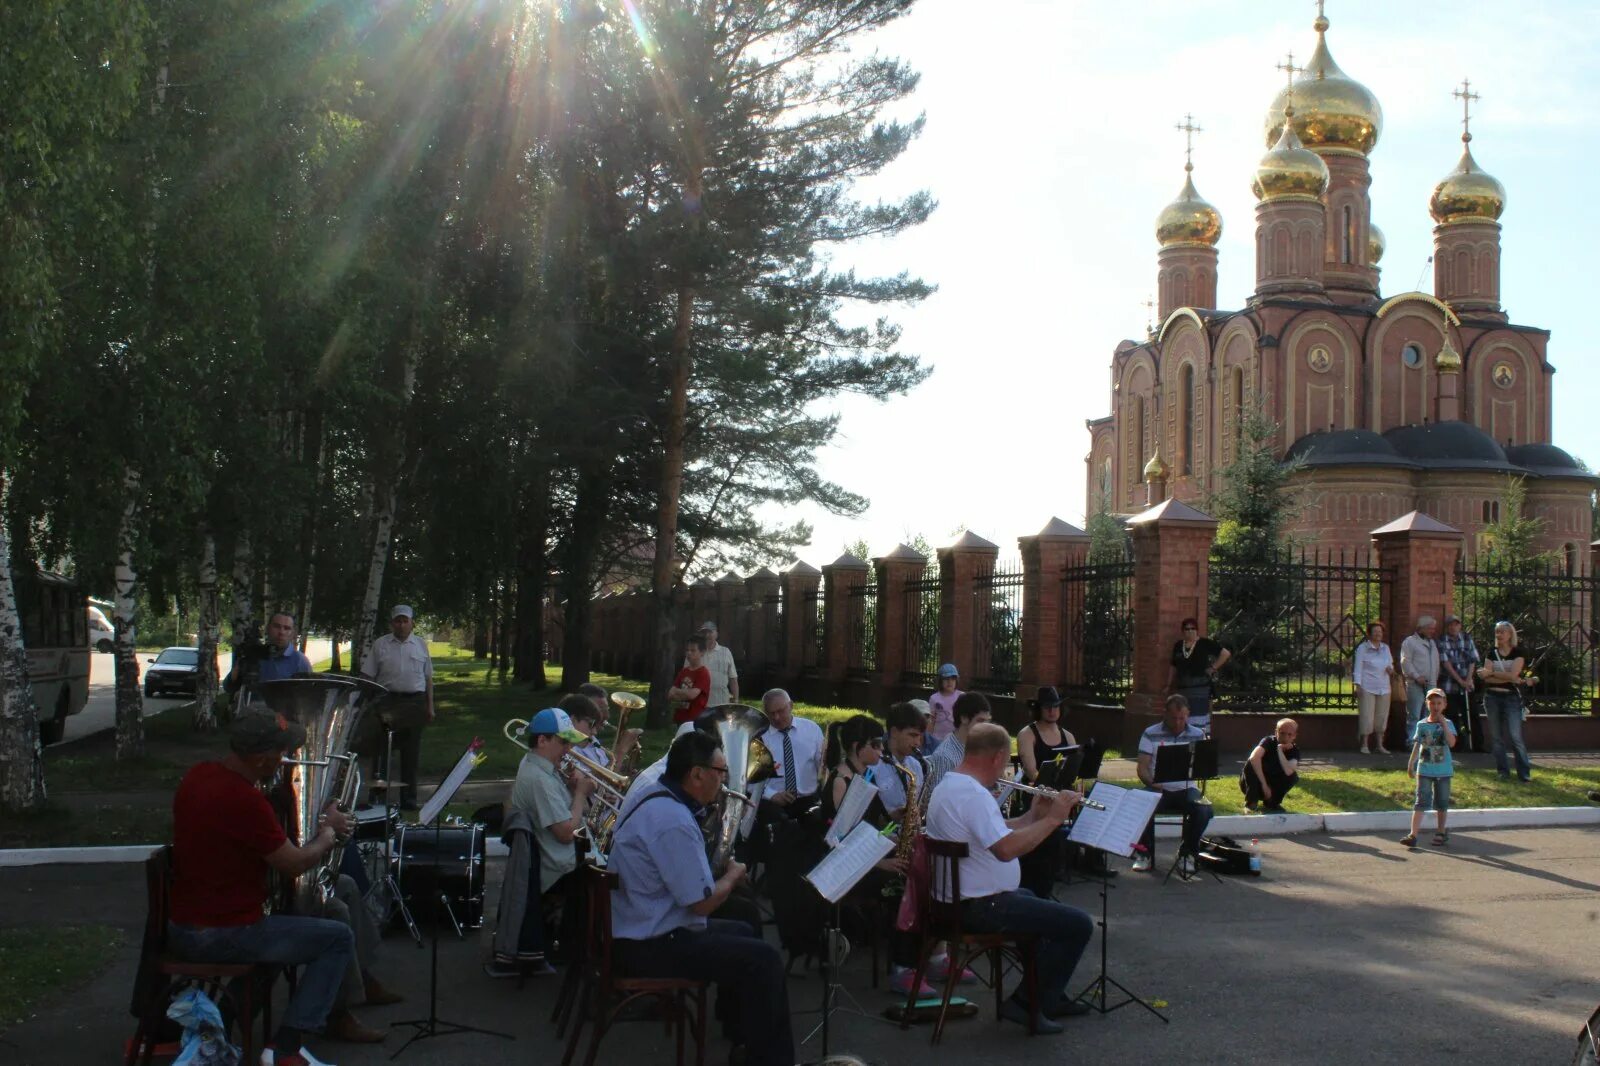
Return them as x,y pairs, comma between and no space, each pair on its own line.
102,637
174,670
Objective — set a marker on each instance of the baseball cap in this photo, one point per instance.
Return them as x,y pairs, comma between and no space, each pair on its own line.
255,732
949,670
554,722
922,707
1432,692
403,611
707,625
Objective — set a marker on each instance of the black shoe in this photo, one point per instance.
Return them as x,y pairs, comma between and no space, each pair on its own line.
1594,797
1274,809
1069,1008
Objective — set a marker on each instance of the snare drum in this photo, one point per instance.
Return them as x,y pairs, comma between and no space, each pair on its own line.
448,859
374,823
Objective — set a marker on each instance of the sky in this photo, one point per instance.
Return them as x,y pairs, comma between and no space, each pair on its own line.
1050,146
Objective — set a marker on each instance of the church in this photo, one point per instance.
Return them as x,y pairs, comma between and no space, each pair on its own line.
1388,403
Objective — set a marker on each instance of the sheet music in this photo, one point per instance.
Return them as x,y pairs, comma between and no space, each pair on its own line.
452,781
1117,828
848,863
856,800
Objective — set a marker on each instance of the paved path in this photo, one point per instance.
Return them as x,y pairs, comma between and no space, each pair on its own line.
1349,949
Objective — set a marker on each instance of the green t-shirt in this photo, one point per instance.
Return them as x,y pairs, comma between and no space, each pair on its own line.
540,792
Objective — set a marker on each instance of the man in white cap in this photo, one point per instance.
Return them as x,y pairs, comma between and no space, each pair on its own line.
400,663
719,661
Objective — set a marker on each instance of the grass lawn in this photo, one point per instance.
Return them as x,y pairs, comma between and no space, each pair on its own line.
38,961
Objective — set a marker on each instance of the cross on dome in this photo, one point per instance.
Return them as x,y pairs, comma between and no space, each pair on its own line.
1189,130
1466,96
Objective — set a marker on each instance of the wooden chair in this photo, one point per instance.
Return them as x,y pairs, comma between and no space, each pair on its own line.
159,972
941,920
609,994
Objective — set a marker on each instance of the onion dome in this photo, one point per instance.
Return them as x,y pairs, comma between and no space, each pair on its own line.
1467,193
1331,109
1188,219
1290,170
1375,244
1448,361
1156,469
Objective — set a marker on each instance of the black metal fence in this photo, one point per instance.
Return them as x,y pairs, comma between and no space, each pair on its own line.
997,625
861,629
813,648
1556,613
1292,627
924,601
772,630
1097,631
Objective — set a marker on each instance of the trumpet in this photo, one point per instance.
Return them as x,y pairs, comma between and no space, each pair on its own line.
514,732
1046,793
605,803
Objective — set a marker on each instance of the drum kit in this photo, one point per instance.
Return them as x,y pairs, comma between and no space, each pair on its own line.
408,871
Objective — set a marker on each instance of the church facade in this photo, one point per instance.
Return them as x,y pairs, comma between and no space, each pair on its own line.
1389,403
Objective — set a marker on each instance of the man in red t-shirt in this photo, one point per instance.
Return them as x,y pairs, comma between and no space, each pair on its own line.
692,686
225,837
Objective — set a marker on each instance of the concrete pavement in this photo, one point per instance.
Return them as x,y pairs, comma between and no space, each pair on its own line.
1348,949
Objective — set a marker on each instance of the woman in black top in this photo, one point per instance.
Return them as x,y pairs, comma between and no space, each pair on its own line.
1195,662
853,745
1043,738
1501,674
1273,768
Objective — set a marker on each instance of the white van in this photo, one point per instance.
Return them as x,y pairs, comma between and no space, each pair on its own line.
102,637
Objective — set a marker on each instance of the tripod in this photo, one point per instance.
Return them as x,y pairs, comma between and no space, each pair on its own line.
832,990
1097,994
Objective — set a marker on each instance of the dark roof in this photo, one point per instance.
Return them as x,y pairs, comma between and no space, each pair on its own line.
1449,446
1546,459
1345,447
1433,446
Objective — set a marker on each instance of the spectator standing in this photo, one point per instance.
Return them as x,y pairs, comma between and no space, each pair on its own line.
970,710
400,663
1501,674
692,687
1196,658
1273,768
942,708
718,660
1373,673
1458,662
1430,764
1419,663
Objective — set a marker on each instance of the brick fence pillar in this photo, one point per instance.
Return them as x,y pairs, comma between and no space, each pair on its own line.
1171,582
729,616
800,583
759,587
896,570
838,578
1422,552
1044,555
959,567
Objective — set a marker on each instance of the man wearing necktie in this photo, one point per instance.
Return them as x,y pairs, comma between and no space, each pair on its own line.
797,746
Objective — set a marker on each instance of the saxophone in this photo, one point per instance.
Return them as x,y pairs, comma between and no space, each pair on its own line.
911,819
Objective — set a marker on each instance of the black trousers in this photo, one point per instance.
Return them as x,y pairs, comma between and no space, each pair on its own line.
533,937
1458,708
407,713
747,970
1281,787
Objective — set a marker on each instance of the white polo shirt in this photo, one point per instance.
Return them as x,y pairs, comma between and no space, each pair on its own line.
962,809
402,667
719,664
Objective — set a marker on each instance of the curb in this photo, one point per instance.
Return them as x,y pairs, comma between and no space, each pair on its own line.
1235,825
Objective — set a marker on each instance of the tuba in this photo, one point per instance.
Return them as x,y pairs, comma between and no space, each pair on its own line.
739,727
324,771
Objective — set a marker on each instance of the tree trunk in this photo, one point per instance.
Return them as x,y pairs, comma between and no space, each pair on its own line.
578,576
333,665
533,575
210,625
130,703
506,600
21,754
664,572
385,493
321,473
243,579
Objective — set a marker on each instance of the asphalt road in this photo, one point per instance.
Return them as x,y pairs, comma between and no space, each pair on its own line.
1348,950
101,710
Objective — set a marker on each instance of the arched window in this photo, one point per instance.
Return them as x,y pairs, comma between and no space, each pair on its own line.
1238,409
1569,559
1186,417
1138,455
1347,236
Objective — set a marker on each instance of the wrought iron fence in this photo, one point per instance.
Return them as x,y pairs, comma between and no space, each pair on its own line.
861,629
772,631
924,601
1557,616
1097,631
813,650
1292,626
997,629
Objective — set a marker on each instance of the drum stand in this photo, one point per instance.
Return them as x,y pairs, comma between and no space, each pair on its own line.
388,883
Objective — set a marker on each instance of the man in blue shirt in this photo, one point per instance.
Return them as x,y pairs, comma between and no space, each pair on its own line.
282,658
660,922
1174,728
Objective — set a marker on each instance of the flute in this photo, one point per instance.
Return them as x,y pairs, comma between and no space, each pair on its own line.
1035,790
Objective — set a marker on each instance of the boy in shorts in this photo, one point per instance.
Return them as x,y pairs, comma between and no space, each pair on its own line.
1430,764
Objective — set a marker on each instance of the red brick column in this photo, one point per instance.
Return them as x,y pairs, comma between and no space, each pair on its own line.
838,578
800,581
758,588
959,565
895,571
1171,582
1422,552
730,631
1044,555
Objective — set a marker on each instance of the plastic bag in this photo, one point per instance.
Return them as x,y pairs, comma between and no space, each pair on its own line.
205,1042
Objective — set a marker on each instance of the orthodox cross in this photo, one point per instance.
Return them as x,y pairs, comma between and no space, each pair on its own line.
1189,130
1466,96
1290,70
1149,306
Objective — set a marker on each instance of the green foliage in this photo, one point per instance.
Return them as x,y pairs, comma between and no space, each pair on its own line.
1107,620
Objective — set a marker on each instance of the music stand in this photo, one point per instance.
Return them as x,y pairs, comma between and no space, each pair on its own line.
433,811
1195,760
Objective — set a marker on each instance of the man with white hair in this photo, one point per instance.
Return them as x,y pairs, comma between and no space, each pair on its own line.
1419,665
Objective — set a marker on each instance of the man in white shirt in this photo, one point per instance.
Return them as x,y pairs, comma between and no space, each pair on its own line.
797,747
963,809
400,663
1174,728
718,660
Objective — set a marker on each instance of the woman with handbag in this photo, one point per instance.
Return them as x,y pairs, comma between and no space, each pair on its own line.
1373,674
1503,684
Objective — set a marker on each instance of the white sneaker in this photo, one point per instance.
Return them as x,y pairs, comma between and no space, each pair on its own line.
269,1057
1141,862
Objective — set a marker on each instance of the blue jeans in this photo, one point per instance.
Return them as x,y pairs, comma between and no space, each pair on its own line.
1433,793
321,947
1502,710
1196,816
1063,933
1416,697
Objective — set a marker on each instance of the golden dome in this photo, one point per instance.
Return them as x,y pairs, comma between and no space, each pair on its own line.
1467,194
1448,361
1188,219
1375,244
1290,170
1331,109
1156,468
